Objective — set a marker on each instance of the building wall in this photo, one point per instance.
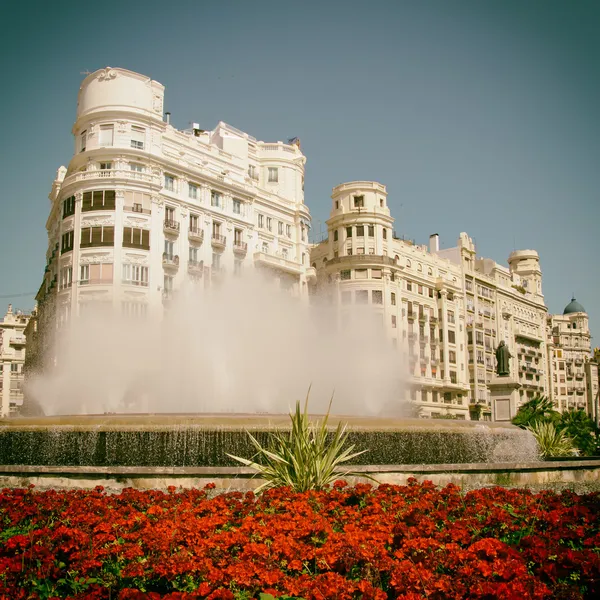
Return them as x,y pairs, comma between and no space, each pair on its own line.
144,209
12,358
423,296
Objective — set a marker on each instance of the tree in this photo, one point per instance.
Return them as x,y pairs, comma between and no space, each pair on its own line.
538,409
580,427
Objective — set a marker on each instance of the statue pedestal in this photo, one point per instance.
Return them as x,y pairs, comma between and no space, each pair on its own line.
504,393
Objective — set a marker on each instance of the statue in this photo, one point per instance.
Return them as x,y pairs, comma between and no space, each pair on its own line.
502,358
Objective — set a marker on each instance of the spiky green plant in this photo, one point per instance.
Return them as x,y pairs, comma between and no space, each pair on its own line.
308,457
539,408
551,441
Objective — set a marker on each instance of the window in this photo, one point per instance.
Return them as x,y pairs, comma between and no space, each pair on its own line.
273,175
193,254
136,167
335,235
261,221
360,274
216,229
288,231
169,183
451,316
135,275
66,277
67,242
237,237
134,237
284,253
452,356
360,250
68,206
376,273
269,224
168,283
216,199
385,234
279,228
451,337
169,249
394,324
360,230
349,232
337,204
82,141
252,172
359,201
105,166
97,236
106,135
193,191
237,207
345,274
265,247
138,137
362,296
98,200
237,266
96,273
194,223
377,297
393,299
409,286
169,215
371,230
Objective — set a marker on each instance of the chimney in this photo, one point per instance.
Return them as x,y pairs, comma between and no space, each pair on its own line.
168,116
434,243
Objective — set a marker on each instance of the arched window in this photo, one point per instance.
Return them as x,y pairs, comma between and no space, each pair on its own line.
408,264
397,259
430,271
420,267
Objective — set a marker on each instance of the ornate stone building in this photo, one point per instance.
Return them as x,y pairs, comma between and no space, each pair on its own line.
143,208
446,311
12,359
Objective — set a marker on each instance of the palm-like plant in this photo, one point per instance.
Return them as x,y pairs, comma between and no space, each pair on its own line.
539,408
308,457
551,441
579,426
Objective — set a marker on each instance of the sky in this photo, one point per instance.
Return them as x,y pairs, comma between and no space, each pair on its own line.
478,116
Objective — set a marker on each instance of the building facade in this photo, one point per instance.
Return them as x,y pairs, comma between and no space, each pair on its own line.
12,359
446,311
143,208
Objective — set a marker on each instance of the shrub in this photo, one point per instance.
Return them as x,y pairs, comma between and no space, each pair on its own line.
551,441
307,457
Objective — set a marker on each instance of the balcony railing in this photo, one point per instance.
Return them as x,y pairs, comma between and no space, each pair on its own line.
134,282
195,267
137,208
218,240
112,174
411,315
241,247
95,281
18,340
170,260
196,235
170,226
433,320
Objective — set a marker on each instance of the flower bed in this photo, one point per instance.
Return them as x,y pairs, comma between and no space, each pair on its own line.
408,542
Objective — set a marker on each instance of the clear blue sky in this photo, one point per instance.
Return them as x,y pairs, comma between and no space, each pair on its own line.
478,116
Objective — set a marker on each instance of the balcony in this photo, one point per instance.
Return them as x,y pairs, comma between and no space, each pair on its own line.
311,274
218,241
422,317
114,175
196,235
433,320
96,281
277,262
137,208
411,315
579,376
18,340
579,361
240,247
412,336
195,267
171,227
424,339
170,261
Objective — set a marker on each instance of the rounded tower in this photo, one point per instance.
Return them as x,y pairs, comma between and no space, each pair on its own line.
525,264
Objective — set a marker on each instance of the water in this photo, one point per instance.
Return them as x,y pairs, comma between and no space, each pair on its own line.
242,346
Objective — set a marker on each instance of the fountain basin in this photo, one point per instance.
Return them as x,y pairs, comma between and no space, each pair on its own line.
182,440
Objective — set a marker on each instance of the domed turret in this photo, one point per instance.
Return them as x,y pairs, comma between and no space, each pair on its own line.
573,307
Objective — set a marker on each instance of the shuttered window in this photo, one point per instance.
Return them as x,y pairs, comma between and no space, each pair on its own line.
134,237
97,236
98,200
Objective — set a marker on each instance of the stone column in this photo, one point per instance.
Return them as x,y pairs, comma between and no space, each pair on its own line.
504,392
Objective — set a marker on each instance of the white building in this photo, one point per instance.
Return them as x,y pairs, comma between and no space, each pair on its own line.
446,311
12,358
144,208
